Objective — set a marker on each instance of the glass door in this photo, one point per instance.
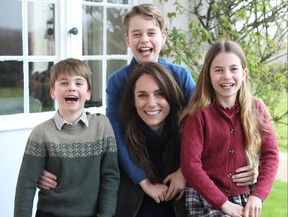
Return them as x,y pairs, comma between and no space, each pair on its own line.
35,34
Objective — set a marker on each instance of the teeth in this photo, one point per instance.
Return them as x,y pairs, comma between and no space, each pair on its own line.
227,85
153,112
144,49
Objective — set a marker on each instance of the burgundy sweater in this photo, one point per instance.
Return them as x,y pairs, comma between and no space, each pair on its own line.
213,148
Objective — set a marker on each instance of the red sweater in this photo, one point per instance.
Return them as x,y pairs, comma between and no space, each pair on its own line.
213,148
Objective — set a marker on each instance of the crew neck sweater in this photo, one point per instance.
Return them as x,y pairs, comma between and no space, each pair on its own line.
83,158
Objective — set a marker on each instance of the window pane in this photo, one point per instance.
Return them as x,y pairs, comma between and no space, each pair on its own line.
115,32
114,65
118,1
11,87
10,28
92,0
41,28
96,69
39,87
92,30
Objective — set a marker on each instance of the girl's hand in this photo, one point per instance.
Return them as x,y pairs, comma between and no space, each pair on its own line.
47,180
232,209
246,175
155,191
177,184
253,207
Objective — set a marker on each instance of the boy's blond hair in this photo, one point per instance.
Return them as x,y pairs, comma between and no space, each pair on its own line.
70,66
149,12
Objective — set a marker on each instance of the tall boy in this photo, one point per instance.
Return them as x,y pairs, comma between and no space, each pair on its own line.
145,35
77,146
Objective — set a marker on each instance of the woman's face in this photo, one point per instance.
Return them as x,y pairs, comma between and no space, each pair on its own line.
150,103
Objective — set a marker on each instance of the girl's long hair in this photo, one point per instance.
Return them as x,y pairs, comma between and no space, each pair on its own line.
135,140
204,96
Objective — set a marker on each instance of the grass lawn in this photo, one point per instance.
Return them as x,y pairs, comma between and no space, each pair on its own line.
276,203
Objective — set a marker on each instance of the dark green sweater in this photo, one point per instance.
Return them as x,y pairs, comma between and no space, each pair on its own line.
85,161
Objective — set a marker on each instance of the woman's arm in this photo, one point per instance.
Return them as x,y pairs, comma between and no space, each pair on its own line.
47,180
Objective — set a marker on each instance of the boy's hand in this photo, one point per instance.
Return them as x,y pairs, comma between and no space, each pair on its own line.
246,175
47,180
177,184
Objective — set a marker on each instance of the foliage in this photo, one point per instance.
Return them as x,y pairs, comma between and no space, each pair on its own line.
276,203
260,27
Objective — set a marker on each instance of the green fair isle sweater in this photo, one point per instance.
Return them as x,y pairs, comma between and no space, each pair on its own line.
85,161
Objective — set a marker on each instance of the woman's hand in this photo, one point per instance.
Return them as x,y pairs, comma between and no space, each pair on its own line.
246,175
177,184
47,180
155,191
253,207
232,209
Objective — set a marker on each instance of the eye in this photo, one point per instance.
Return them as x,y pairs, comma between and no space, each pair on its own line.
234,69
152,33
136,35
160,94
63,83
142,95
218,71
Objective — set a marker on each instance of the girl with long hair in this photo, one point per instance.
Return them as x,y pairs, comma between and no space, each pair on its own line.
224,128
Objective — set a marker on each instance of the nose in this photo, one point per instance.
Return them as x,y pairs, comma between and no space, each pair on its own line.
71,87
152,101
227,73
144,39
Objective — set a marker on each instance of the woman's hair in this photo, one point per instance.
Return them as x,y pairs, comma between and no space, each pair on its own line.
130,119
149,12
70,66
204,96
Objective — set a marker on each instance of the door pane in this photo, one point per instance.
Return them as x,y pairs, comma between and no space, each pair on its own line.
10,28
115,32
39,87
96,69
92,20
41,28
11,87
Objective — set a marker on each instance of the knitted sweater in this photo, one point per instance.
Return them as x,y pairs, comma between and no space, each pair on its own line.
115,87
84,158
213,148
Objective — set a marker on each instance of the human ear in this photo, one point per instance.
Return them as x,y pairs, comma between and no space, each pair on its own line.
52,93
164,37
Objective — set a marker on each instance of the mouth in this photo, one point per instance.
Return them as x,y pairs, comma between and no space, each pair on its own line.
153,112
145,49
228,85
71,98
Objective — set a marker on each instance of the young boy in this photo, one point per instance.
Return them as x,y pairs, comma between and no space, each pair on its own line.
79,147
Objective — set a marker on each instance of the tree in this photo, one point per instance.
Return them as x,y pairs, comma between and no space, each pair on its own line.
260,27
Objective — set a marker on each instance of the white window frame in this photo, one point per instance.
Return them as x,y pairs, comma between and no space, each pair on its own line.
66,15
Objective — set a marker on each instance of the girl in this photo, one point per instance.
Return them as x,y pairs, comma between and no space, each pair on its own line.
224,128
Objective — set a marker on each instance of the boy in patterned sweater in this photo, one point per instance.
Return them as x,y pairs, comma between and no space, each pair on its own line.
79,147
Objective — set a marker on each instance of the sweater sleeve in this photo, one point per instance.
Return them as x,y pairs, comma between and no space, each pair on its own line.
191,162
269,159
114,93
30,170
110,175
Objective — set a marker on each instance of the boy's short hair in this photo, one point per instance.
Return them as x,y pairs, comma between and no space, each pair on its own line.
149,11
70,66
